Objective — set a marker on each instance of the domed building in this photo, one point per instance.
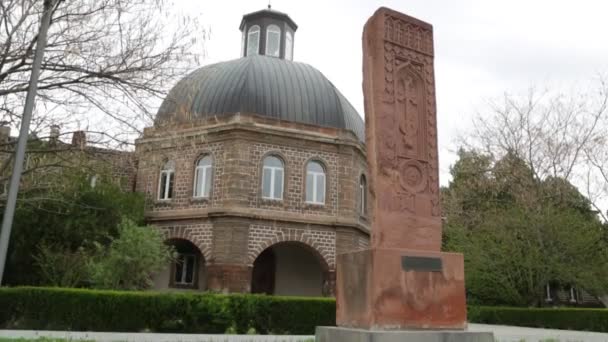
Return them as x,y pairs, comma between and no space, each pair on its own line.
255,170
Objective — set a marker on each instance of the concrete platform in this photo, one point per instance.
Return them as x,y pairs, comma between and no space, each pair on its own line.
337,334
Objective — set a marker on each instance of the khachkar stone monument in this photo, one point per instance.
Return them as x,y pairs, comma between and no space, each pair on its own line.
404,287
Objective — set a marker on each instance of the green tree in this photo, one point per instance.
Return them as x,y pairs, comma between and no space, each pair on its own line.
519,233
131,259
65,219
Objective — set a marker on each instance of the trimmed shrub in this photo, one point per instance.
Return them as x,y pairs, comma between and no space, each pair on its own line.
189,312
549,318
123,311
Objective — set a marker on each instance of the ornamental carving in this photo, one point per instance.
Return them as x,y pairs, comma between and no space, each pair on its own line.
410,108
409,35
409,94
413,176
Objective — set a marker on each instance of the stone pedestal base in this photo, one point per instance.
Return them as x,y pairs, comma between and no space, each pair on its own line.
400,289
337,334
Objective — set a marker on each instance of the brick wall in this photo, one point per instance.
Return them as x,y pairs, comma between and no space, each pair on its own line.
295,160
185,156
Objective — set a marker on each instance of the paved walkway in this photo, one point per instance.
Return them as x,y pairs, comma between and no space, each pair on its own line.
501,334
505,333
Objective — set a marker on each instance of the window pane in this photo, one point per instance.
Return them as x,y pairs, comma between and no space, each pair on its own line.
315,167
243,45
309,187
208,174
162,185
278,183
189,269
197,182
320,189
205,161
179,267
288,46
273,38
273,161
253,41
266,183
170,192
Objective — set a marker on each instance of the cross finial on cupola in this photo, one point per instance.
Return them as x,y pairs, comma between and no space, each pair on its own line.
268,32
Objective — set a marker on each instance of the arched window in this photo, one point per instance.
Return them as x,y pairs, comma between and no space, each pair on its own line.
203,177
272,178
288,46
315,183
253,40
363,195
165,184
273,40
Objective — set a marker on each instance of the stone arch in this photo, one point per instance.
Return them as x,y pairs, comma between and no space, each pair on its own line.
172,233
325,259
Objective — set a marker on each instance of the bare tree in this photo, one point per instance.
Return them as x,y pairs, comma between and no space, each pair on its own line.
107,63
558,135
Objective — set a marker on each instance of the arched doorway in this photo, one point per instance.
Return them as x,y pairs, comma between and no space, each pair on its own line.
185,271
289,269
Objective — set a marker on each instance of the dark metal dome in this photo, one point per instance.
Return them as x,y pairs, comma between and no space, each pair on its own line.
262,85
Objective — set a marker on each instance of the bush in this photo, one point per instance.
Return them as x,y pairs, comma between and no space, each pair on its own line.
549,318
101,310
123,311
130,259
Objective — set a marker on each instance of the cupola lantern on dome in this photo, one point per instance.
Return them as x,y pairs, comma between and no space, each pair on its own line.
268,32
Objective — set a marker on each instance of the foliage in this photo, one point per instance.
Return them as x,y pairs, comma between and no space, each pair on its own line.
190,312
69,218
102,310
548,318
131,258
61,267
519,233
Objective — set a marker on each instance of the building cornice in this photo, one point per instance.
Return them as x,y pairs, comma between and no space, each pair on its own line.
255,214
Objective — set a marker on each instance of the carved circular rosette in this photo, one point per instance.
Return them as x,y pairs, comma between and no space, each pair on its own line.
412,175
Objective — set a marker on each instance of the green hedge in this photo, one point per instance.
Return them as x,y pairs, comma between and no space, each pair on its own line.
93,310
549,318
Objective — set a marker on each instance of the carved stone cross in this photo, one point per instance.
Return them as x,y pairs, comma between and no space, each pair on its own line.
404,281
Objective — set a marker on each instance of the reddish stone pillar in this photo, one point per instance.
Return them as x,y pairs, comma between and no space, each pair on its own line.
404,281
226,278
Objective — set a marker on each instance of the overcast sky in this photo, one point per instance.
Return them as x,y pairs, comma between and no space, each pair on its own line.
482,48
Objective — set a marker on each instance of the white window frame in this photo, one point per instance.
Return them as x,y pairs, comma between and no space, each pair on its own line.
253,29
273,29
199,190
273,170
315,178
185,269
363,195
167,172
